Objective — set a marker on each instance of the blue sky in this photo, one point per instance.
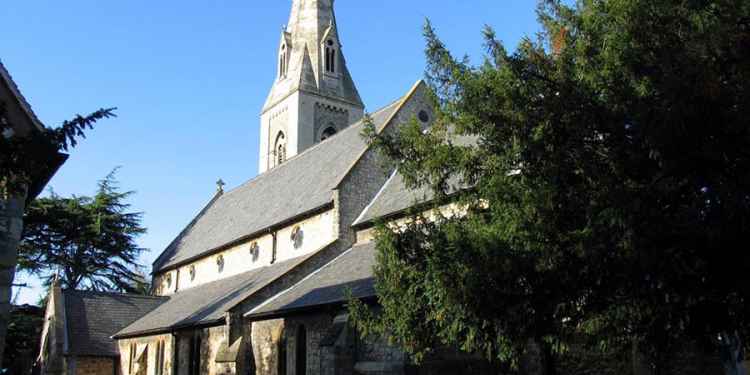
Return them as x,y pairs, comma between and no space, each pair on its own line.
189,78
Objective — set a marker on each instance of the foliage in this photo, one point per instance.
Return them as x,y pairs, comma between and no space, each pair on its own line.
23,337
89,241
611,193
21,156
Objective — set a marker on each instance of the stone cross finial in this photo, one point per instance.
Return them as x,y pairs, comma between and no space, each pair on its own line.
220,186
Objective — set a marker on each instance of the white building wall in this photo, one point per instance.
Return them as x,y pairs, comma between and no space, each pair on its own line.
316,231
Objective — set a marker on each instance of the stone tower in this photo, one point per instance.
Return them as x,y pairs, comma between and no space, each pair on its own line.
313,95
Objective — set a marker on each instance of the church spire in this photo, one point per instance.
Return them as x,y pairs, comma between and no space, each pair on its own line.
313,94
310,55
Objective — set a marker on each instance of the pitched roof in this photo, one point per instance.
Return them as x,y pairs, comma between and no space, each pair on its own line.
351,271
302,185
206,304
93,317
395,197
8,79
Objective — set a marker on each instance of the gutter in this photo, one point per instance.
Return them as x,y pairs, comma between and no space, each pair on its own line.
370,300
171,329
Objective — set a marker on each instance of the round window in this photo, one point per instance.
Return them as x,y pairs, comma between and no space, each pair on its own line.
255,251
424,116
220,262
297,237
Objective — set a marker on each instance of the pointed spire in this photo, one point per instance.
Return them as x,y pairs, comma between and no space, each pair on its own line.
309,23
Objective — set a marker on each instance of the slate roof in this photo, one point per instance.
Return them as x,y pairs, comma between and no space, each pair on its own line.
301,185
91,318
395,197
206,304
352,270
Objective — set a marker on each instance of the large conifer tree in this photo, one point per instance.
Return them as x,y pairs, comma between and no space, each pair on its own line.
610,188
88,242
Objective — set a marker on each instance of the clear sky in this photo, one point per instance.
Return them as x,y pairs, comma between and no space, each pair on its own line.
189,78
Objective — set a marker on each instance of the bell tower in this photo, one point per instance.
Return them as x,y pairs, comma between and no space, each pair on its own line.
313,95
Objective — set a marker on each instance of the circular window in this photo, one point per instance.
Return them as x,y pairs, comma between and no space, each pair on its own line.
330,42
424,116
220,262
192,272
297,237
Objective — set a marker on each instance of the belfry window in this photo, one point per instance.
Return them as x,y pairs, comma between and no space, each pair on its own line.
330,57
283,66
280,149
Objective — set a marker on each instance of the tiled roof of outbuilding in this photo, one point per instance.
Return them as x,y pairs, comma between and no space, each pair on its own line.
301,185
206,304
93,317
351,271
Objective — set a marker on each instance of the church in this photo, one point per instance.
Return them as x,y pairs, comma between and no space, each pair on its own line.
257,282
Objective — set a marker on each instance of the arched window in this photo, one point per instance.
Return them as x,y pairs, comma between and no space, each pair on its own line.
328,133
280,148
282,62
330,57
301,350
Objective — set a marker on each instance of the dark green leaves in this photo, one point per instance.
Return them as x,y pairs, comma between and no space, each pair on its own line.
611,155
89,241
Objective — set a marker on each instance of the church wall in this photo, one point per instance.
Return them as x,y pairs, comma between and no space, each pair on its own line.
367,234
317,112
330,351
368,176
147,365
94,366
266,338
316,232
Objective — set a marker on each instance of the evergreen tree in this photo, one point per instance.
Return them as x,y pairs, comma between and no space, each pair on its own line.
610,189
89,241
25,158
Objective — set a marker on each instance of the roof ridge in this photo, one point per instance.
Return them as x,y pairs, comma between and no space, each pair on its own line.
132,295
399,105
310,149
